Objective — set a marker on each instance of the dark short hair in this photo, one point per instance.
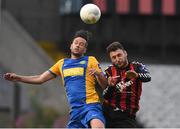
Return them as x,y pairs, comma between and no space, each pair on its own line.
114,46
83,34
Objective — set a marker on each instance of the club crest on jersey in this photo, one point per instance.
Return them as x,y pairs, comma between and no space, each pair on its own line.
83,62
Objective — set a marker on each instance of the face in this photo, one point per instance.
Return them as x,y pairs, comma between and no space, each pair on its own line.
78,47
119,57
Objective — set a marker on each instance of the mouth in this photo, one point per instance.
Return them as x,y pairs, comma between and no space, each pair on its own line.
76,49
120,63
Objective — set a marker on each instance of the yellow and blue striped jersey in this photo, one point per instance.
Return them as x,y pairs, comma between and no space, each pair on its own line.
79,84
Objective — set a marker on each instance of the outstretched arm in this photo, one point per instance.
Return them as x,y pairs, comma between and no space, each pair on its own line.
37,79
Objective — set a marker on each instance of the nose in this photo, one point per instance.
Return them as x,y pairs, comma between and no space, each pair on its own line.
118,59
77,45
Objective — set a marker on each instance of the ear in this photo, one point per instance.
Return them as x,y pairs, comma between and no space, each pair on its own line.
125,53
85,49
70,46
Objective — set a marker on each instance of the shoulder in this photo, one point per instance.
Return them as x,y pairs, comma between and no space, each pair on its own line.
92,57
136,63
139,65
60,62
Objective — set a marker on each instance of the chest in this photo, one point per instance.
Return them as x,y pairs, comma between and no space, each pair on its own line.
74,67
119,75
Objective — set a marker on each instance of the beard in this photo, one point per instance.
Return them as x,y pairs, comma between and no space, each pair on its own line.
119,65
76,54
122,64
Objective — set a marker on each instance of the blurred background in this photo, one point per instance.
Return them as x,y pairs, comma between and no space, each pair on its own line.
34,34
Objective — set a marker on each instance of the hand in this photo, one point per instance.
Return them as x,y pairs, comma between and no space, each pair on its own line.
130,74
111,81
93,71
11,77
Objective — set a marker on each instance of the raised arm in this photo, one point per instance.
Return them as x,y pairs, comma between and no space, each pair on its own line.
143,72
107,93
101,79
96,70
37,79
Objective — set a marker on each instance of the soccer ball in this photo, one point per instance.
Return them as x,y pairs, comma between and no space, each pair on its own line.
90,13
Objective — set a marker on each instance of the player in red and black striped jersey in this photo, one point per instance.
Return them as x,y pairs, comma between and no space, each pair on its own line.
121,97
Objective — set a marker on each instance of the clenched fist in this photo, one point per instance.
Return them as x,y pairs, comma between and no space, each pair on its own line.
11,77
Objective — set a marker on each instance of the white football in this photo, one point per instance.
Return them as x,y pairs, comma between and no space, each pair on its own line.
90,13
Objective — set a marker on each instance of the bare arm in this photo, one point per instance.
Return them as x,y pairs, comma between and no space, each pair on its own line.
100,78
37,79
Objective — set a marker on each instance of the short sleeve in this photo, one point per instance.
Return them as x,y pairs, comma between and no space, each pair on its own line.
56,68
95,64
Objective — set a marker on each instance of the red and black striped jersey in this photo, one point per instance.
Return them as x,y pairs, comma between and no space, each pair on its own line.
128,98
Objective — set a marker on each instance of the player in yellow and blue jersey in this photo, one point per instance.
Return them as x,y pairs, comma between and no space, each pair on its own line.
79,74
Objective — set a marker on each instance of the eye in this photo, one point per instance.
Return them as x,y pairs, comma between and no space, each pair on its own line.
75,42
119,55
113,57
82,44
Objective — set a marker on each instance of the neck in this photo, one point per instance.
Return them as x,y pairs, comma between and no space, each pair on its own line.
125,64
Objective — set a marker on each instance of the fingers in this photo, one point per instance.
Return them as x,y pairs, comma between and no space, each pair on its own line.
93,72
116,76
9,76
6,76
111,81
130,74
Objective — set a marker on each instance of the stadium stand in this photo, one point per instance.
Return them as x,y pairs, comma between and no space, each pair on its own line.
20,54
6,107
160,98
